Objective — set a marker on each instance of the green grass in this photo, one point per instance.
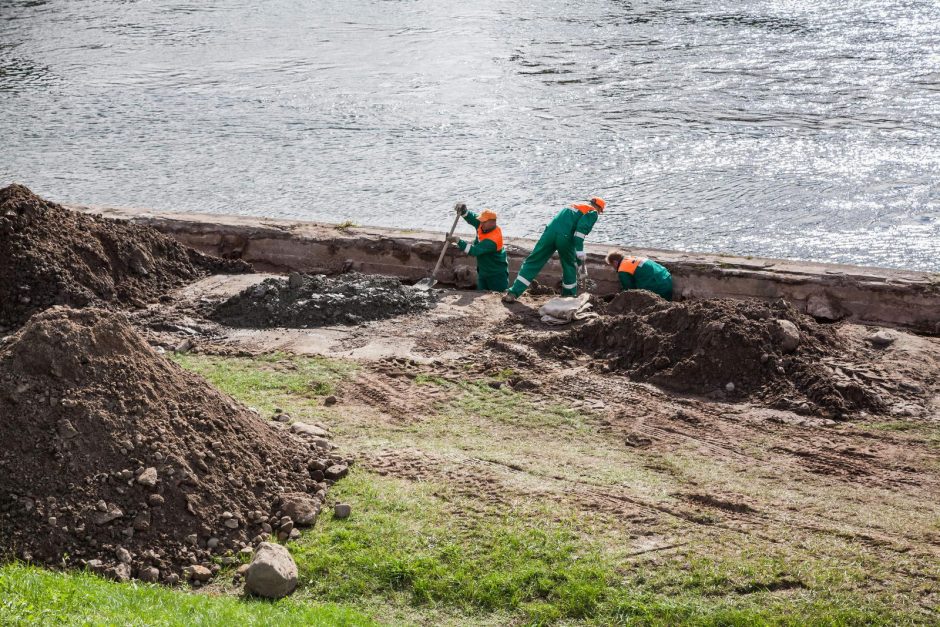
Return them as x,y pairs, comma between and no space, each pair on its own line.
404,541
295,384
30,596
412,546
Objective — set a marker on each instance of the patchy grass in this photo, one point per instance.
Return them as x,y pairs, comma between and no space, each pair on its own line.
915,430
31,596
413,547
295,384
423,552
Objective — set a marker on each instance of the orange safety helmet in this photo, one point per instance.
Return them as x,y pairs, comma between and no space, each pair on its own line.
488,214
598,203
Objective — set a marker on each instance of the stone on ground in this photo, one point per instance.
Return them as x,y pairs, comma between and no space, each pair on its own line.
272,572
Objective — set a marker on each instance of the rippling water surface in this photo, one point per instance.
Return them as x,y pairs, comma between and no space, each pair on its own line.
799,128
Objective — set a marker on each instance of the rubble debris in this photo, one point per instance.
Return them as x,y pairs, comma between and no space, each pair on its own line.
302,301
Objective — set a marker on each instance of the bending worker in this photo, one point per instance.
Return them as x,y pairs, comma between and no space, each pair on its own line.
640,273
565,233
487,247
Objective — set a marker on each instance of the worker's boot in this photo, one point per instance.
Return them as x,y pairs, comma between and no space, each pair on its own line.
509,297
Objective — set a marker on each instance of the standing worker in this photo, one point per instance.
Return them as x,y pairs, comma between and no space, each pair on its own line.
487,247
640,273
565,233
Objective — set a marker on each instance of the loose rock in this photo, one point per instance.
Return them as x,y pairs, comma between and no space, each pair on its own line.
301,508
272,572
200,573
148,478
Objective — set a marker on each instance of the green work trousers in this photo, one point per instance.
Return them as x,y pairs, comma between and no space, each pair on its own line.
493,282
544,248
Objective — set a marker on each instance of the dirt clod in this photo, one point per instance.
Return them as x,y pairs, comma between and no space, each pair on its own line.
104,455
50,255
302,301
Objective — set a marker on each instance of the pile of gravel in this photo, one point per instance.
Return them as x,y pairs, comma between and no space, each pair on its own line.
303,300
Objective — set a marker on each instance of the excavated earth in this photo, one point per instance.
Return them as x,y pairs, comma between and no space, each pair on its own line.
50,255
115,458
728,349
303,300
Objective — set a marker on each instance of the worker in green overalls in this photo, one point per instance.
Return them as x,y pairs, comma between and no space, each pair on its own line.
565,234
640,273
487,247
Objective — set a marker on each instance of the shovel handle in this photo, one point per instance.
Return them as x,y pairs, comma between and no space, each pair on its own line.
437,266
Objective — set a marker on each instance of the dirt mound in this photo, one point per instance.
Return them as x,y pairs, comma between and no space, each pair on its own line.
304,300
723,348
50,255
113,457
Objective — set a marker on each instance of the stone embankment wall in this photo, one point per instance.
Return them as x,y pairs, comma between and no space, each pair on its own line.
828,291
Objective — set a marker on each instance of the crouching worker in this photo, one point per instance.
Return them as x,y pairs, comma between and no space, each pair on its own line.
640,273
564,234
487,247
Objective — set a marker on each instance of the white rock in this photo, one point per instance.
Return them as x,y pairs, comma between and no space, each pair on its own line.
148,477
305,429
882,338
786,334
272,572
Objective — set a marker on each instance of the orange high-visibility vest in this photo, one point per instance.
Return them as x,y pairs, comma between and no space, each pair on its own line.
584,208
496,235
630,264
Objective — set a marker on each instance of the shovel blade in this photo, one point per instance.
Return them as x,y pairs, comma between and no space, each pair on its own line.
425,284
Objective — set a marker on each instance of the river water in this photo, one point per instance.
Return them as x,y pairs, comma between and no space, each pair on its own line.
798,129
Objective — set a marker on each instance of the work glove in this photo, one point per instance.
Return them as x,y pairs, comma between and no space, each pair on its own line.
461,208
453,239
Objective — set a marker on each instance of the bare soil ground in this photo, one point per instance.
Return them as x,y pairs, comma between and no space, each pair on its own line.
661,476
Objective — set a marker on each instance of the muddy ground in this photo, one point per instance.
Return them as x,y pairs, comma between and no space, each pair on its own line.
763,355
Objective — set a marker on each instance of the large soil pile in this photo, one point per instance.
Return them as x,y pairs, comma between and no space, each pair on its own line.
114,457
725,348
50,255
303,300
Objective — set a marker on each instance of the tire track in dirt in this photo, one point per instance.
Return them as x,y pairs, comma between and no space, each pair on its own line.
393,393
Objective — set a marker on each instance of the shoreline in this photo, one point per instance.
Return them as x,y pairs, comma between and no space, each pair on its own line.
829,292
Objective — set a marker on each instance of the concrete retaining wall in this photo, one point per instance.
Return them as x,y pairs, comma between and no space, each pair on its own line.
828,291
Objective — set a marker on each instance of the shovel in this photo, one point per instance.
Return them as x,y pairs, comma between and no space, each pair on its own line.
428,283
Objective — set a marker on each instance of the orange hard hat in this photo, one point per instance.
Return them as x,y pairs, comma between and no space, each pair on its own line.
488,214
599,203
